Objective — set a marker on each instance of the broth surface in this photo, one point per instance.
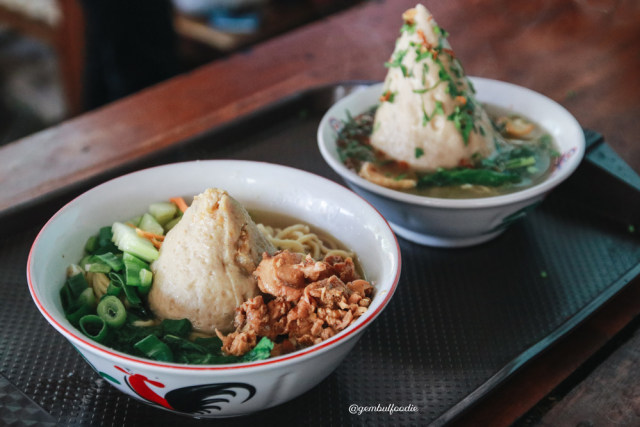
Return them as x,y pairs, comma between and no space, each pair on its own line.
525,155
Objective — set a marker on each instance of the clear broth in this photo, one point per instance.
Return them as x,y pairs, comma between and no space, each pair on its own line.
539,145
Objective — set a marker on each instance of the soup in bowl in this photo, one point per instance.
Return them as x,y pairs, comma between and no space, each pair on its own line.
459,219
448,159
202,361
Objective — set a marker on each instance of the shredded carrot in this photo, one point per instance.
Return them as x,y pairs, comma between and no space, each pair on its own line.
423,38
385,96
179,201
148,235
450,52
426,46
156,243
461,100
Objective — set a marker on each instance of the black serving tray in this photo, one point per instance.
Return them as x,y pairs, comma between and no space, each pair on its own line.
461,322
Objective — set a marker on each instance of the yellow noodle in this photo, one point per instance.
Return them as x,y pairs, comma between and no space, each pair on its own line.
145,323
299,238
197,334
99,282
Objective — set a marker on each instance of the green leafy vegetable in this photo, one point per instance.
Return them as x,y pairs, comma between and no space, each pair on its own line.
459,176
261,351
153,348
462,119
396,61
178,327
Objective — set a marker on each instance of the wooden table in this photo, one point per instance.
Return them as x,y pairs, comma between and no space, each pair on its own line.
585,54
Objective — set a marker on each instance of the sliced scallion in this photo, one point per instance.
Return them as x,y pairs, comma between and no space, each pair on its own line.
108,258
112,311
97,267
132,273
91,245
146,279
94,327
87,297
76,312
131,293
77,283
116,283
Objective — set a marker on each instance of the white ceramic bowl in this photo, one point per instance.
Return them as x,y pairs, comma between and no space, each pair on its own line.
458,222
247,387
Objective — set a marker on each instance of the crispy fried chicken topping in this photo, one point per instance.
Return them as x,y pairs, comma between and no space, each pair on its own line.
308,302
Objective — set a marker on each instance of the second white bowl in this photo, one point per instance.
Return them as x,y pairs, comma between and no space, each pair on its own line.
458,222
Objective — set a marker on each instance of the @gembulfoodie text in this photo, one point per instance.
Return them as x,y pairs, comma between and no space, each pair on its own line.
390,408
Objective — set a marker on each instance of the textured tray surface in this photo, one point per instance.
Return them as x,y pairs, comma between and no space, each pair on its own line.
460,322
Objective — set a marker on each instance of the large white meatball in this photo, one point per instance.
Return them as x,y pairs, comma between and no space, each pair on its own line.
206,262
428,116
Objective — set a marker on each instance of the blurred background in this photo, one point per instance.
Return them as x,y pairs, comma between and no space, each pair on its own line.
59,58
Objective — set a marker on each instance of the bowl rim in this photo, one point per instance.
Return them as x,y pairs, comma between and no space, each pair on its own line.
76,337
443,203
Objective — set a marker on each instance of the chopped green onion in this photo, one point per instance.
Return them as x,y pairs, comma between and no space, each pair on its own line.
77,283
146,279
132,294
132,268
116,284
85,260
94,327
114,289
128,258
104,241
97,267
117,279
108,258
104,236
132,274
76,312
66,298
112,311
87,297
91,245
